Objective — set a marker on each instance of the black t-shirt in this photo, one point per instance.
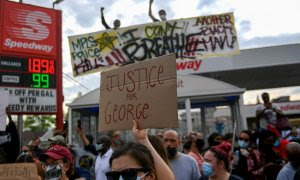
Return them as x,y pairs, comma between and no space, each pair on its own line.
231,177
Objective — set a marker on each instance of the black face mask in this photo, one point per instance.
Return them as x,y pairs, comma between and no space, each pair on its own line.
103,149
171,152
267,147
200,144
214,143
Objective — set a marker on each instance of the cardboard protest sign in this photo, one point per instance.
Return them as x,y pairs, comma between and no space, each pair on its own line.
190,38
3,104
18,171
144,91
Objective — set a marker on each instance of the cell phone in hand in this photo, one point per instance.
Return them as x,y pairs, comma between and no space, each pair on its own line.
79,123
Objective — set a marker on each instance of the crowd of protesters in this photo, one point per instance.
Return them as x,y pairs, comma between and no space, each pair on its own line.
264,153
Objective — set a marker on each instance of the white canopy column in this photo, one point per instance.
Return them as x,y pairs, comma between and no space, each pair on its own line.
188,115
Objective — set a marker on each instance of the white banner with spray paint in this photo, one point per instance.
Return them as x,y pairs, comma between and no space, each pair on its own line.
191,38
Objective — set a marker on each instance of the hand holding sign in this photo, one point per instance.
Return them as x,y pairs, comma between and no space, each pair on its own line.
162,169
140,135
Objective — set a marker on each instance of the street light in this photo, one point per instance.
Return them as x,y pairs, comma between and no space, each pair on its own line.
56,2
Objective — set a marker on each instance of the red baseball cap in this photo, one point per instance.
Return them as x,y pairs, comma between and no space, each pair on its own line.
57,152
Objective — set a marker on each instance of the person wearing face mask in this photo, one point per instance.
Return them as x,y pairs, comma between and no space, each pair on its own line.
28,149
57,163
102,149
246,162
116,140
162,13
36,146
271,161
214,139
216,163
103,146
293,155
183,166
279,143
194,145
138,161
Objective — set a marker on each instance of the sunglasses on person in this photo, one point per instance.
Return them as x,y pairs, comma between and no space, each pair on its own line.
243,139
127,174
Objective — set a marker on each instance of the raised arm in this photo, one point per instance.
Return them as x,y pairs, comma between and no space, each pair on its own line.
14,145
86,143
81,133
150,12
162,169
103,19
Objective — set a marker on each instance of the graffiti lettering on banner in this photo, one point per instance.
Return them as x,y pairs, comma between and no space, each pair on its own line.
144,91
18,171
198,37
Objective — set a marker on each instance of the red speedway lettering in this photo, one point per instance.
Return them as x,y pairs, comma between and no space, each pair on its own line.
183,65
42,47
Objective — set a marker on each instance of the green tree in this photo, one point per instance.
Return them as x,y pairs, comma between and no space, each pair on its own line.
39,122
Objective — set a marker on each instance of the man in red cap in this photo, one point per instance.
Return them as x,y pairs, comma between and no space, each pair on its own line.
57,163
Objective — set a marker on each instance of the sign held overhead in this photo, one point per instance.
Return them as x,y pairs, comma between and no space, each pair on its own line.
191,38
145,92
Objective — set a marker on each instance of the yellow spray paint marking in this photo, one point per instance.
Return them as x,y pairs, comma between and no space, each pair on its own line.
106,41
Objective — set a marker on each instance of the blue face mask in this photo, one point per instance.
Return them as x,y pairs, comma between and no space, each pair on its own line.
207,169
99,147
243,144
276,143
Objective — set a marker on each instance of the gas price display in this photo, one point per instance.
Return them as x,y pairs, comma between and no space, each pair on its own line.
27,72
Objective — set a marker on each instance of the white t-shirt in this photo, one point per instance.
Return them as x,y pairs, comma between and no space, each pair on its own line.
102,165
269,117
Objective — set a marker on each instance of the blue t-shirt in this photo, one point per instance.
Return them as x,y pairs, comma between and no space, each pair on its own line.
185,167
286,173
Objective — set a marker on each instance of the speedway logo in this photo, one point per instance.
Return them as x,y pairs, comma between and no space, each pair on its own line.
31,25
42,47
28,29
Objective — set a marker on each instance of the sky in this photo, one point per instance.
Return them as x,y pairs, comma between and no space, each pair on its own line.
259,23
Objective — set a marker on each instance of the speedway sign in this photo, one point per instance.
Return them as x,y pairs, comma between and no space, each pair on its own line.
28,29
